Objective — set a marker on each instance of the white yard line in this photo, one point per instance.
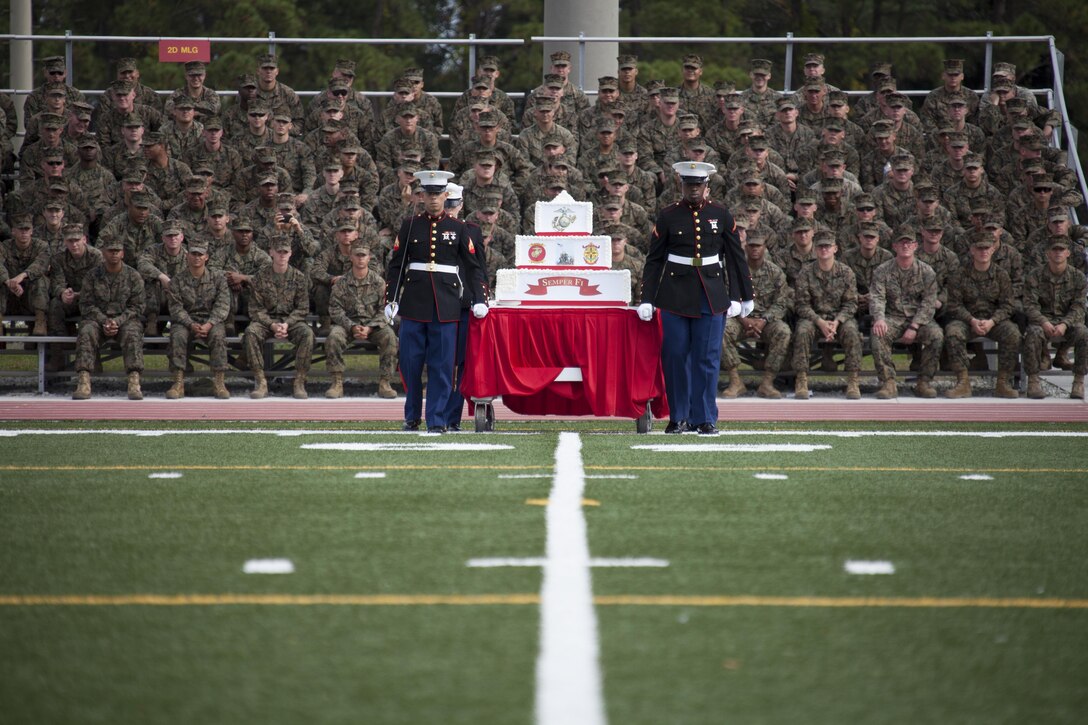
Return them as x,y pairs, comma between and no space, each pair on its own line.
421,446
568,675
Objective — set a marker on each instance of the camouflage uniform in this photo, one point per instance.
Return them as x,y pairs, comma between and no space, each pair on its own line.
390,145
773,302
249,264
208,101
168,183
281,298
827,296
197,301
792,260
760,106
136,238
226,162
153,262
359,302
181,142
633,261
893,205
118,297
792,147
959,199
983,296
331,262
34,260
391,207
901,297
283,96
1057,299
66,271
946,265
657,144
108,121
297,159
531,143
98,184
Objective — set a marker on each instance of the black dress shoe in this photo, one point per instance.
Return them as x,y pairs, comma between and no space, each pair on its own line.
436,429
676,426
454,428
706,429
411,425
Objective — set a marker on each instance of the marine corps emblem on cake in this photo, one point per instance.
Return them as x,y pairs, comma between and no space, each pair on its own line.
537,253
563,219
591,253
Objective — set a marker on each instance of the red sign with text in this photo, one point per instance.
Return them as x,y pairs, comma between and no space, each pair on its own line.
183,51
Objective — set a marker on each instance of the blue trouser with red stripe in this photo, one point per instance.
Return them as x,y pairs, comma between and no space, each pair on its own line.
433,344
691,350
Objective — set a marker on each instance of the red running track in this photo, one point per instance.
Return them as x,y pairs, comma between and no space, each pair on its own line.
981,410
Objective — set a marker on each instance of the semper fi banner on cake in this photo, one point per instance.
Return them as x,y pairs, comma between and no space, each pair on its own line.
562,287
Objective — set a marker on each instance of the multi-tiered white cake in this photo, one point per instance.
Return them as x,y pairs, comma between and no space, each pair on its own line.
563,264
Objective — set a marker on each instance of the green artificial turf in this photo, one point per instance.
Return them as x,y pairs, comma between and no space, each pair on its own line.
80,517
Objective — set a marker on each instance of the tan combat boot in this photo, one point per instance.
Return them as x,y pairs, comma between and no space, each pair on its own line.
853,392
736,385
1035,388
260,389
177,390
1004,388
923,389
134,392
299,391
800,386
766,387
83,386
1077,390
40,328
385,390
888,390
963,386
219,387
336,390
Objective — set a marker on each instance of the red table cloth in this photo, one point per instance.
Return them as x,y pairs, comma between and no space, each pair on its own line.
517,352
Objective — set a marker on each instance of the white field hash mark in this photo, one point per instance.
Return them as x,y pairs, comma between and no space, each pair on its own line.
857,566
165,474
568,675
269,566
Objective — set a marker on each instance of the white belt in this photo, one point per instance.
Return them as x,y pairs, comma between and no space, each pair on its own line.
693,261
432,267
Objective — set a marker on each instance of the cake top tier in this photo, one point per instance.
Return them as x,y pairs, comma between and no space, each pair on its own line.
563,215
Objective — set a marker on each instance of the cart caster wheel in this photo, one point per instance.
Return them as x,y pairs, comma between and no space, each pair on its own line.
485,418
645,422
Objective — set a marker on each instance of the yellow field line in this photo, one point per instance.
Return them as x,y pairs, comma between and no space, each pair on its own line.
295,600
794,469
402,600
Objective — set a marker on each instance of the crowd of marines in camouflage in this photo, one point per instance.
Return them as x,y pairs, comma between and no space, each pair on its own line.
927,223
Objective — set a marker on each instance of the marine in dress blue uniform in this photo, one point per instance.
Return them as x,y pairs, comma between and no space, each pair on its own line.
425,286
695,273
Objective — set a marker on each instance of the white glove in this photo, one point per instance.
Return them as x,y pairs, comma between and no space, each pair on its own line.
391,310
734,309
645,312
747,307
480,310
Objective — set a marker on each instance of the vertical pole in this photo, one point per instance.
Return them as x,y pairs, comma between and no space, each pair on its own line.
271,42
471,58
21,57
69,48
571,19
988,66
787,73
